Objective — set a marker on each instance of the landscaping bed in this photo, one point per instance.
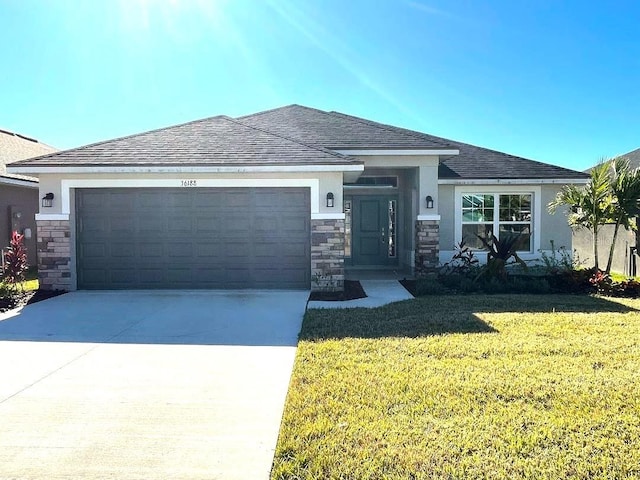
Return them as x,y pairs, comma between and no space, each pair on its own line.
477,386
352,291
19,299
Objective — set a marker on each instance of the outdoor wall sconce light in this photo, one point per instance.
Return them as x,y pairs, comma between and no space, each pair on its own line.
47,200
429,201
329,199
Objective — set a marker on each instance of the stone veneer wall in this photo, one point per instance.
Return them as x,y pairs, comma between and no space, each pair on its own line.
54,254
327,255
427,245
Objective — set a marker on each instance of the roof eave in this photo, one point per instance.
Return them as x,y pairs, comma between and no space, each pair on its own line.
240,168
396,151
512,181
18,182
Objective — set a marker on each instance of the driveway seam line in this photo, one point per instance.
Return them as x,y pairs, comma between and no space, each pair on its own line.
48,375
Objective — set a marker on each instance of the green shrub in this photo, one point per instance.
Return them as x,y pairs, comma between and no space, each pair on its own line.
15,261
452,280
467,285
429,286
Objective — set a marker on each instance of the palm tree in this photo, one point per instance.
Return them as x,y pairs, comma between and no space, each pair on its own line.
591,205
625,192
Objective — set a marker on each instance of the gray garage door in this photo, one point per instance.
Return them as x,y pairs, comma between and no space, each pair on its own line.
193,238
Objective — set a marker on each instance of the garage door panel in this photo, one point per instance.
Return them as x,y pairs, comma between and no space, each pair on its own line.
294,225
177,224
208,224
120,251
294,250
153,250
94,250
122,277
121,200
210,275
94,225
179,275
207,251
151,275
234,224
151,199
178,200
193,238
207,197
237,274
120,225
238,248
93,201
240,197
152,225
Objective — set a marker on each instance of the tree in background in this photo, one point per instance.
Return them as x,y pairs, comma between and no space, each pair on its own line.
591,205
625,193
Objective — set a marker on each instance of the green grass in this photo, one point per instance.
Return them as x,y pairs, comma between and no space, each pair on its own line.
619,277
496,387
30,283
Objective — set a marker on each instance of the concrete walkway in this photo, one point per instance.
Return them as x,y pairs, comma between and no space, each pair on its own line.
141,385
379,293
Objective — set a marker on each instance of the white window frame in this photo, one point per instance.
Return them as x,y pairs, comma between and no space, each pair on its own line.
536,207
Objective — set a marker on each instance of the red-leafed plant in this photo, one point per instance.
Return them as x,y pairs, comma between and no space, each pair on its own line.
15,261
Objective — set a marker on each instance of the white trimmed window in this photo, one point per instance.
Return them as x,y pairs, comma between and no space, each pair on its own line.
500,214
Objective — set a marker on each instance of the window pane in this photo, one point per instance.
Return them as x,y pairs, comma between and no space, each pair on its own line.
515,208
477,208
347,228
392,229
470,232
522,230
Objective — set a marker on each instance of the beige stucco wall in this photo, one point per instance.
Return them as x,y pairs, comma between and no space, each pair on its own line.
426,165
554,227
328,182
551,228
447,216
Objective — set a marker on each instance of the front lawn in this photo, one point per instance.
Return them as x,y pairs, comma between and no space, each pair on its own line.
499,387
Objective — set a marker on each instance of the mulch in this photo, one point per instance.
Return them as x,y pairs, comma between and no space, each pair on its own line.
352,291
410,286
26,298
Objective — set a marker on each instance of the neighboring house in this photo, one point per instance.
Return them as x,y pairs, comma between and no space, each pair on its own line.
625,254
19,200
286,198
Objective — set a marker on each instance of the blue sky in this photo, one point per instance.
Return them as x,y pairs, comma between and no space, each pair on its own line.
555,81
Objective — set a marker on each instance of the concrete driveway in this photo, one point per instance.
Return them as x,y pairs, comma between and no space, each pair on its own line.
146,385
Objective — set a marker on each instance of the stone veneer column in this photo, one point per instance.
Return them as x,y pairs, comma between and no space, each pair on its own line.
54,254
427,246
327,255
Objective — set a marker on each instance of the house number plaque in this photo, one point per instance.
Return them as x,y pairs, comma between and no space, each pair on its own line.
188,183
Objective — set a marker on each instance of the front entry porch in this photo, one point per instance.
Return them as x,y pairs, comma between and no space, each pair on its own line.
383,273
371,231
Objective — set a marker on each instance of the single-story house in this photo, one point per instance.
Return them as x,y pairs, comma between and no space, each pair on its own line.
19,198
285,198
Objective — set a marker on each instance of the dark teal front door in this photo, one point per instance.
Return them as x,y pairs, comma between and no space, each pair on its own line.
374,230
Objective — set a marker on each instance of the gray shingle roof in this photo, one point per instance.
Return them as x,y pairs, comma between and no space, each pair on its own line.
482,163
336,131
212,141
294,135
14,147
633,157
